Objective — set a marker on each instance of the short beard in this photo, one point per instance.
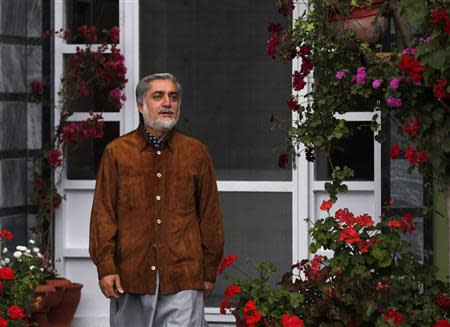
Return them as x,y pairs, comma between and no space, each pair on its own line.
161,125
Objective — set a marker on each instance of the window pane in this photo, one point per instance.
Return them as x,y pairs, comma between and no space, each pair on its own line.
96,101
103,14
231,87
356,152
82,160
257,226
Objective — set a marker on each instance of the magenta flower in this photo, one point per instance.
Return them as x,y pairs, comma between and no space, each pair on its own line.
394,102
361,75
425,39
394,83
376,84
409,52
340,74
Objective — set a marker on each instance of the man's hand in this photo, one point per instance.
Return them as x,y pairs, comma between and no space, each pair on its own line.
110,286
208,287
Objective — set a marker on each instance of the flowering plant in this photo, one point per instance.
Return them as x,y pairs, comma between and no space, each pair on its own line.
95,77
257,301
410,86
370,280
20,273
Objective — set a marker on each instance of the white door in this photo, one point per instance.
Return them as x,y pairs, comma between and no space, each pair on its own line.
231,88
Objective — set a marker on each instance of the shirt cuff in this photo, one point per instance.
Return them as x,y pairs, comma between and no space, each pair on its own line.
105,268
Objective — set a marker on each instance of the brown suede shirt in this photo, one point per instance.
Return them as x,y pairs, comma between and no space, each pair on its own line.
156,211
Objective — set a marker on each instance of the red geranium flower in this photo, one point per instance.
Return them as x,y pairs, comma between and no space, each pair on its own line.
15,312
326,205
292,103
54,158
395,317
115,34
349,235
439,15
439,89
442,323
6,273
364,220
315,264
411,67
395,151
227,261
6,234
442,300
232,290
291,321
224,305
3,322
393,224
345,216
298,81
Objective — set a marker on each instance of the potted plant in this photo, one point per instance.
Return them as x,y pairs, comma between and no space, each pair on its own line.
371,280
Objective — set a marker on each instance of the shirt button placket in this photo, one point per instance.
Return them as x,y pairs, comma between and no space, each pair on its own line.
158,205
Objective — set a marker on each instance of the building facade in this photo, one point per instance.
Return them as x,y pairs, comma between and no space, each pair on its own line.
231,90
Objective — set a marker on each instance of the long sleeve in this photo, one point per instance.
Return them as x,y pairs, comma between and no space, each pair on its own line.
211,222
103,226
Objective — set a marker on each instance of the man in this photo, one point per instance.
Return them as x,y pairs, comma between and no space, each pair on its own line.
156,233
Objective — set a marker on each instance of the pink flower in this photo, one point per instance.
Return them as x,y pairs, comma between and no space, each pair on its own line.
115,34
361,75
54,158
272,45
117,97
408,51
425,39
376,84
394,102
340,74
292,103
394,83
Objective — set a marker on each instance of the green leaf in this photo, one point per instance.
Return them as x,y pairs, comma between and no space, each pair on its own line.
446,145
435,59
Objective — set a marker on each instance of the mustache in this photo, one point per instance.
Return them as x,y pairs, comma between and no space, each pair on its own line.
166,111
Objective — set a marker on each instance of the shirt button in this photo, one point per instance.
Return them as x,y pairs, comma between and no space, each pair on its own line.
153,268
158,152
154,245
158,197
158,221
159,175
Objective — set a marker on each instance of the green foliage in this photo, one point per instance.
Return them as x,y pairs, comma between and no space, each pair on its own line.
369,275
30,269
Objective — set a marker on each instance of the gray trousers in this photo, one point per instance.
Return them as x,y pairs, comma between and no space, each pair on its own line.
182,309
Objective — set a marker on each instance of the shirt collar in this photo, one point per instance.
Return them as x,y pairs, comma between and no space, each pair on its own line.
144,140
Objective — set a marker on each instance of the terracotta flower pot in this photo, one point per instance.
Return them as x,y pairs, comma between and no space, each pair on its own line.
362,21
55,303
62,314
43,300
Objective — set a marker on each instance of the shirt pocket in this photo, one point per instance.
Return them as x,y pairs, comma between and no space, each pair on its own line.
132,188
183,194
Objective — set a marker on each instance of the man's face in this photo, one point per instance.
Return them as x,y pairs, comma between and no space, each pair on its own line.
161,105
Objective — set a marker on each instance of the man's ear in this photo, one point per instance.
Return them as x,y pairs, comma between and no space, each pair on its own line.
140,107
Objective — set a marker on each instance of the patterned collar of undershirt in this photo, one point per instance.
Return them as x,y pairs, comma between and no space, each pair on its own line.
152,139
